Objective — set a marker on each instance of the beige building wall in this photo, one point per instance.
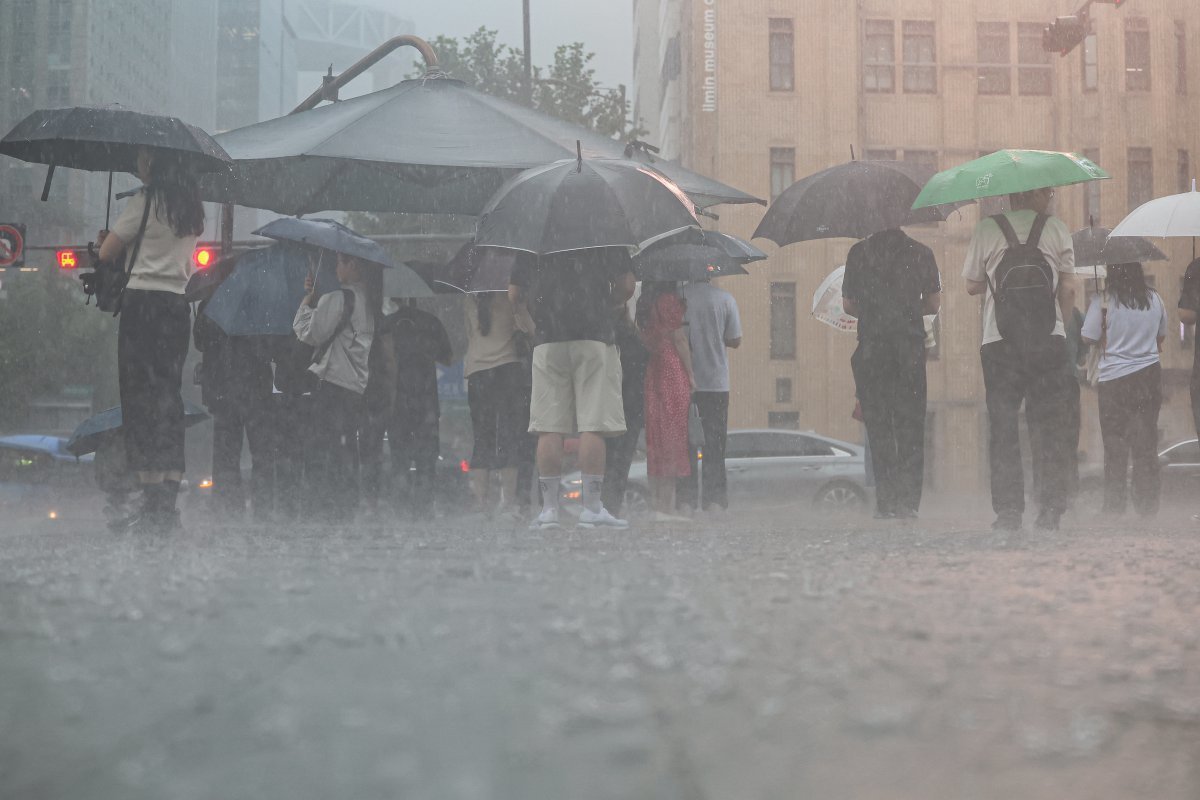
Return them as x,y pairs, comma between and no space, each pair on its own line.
728,126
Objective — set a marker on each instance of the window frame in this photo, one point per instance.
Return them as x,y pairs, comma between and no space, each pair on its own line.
1137,43
993,69
919,76
1141,156
879,67
782,314
1035,78
781,38
778,159
1089,69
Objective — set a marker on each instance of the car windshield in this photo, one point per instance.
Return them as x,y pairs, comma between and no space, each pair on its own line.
775,444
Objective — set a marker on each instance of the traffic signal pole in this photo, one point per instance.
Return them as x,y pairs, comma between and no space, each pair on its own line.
329,91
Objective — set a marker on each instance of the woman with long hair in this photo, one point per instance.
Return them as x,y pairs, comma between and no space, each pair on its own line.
1128,322
498,386
162,223
341,326
668,388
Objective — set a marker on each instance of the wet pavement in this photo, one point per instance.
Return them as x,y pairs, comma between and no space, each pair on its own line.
772,656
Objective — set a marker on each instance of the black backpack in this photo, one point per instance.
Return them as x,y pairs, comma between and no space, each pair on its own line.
1023,289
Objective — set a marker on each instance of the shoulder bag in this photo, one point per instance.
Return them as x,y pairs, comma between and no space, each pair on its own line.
108,279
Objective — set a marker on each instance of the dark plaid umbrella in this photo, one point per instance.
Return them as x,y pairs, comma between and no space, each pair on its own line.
480,269
851,200
263,291
430,145
579,204
93,431
1093,247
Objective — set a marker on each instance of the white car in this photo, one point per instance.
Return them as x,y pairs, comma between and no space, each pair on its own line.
772,468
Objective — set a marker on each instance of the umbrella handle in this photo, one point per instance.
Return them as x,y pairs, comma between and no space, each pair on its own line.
108,202
46,186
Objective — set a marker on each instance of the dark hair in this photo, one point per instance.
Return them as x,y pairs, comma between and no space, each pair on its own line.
372,275
1126,283
483,310
172,188
651,291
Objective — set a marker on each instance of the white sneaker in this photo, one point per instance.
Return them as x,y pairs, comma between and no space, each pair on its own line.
545,521
601,519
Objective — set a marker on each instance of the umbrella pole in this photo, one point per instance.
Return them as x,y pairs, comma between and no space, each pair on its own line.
108,202
46,186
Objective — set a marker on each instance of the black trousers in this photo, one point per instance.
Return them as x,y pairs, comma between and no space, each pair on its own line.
618,456
333,473
714,419
1012,377
291,425
499,401
152,344
1129,409
410,478
231,422
889,376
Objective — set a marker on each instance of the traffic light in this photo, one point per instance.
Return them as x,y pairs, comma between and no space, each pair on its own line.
1066,33
67,259
204,257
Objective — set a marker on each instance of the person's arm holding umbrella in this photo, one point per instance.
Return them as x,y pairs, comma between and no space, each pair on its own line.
1065,261
317,319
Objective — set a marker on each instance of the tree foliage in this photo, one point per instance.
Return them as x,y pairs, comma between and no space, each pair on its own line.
50,340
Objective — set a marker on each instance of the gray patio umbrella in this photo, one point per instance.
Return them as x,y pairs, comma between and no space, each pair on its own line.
431,145
579,204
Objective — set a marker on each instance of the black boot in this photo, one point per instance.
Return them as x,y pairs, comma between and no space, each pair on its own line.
158,514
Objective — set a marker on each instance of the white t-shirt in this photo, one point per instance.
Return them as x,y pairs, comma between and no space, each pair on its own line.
987,250
164,261
1130,335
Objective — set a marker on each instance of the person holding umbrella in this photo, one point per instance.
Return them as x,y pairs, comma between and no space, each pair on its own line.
1129,323
341,326
891,282
161,223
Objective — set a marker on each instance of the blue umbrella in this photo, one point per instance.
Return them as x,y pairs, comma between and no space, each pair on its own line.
328,235
261,295
92,432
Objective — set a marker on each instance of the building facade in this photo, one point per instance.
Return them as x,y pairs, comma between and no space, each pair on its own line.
768,91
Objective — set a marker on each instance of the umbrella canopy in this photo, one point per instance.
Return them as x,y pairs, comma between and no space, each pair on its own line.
733,246
263,291
685,262
204,282
94,430
429,145
852,200
827,303
578,204
1008,172
480,269
1172,216
403,282
326,234
1093,247
107,139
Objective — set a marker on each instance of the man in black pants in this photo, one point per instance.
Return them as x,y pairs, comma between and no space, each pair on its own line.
1189,309
1012,375
892,281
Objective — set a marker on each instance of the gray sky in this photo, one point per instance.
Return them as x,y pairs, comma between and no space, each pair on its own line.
604,26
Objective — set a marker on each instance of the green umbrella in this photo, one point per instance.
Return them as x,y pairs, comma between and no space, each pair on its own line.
1007,172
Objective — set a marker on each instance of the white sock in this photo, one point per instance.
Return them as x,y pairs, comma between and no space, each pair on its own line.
551,487
593,486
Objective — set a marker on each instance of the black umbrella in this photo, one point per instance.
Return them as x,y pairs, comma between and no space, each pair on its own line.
685,262
1093,247
480,269
107,139
430,145
581,204
851,200
94,430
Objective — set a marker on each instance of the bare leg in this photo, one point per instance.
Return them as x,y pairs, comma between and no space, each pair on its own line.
481,483
592,452
550,454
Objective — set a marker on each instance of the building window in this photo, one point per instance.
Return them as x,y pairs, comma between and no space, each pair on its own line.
879,56
1137,54
927,160
783,169
1091,193
1184,171
672,61
783,390
1141,176
1090,56
920,58
783,321
782,48
1034,75
783,420
994,50
1181,63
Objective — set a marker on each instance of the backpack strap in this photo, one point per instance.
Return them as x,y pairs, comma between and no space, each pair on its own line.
1006,228
1035,233
347,312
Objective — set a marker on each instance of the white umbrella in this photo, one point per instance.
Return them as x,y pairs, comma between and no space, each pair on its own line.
1176,215
827,303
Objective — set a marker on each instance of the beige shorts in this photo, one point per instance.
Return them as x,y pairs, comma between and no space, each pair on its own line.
576,389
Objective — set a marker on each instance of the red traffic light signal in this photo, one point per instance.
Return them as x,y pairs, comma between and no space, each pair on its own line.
204,257
67,259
